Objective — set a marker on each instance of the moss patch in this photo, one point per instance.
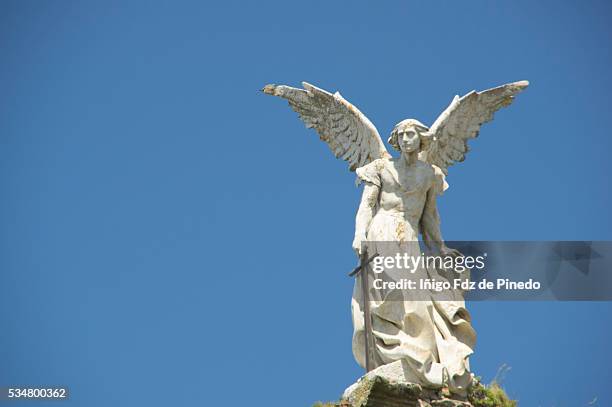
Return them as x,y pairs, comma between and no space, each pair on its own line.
489,396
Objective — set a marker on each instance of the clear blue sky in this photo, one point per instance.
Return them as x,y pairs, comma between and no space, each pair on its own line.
145,182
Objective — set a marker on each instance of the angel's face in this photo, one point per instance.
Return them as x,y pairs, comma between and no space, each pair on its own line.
409,139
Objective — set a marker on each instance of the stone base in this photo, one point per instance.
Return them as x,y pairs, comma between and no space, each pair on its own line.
387,386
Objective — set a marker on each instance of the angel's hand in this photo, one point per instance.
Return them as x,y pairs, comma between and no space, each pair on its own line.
358,244
447,251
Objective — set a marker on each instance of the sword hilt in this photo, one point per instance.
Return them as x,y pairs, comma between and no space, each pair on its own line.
362,265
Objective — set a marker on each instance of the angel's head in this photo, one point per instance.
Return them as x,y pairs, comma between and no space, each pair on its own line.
409,135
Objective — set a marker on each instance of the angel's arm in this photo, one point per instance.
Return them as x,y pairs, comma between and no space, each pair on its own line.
430,222
365,213
430,225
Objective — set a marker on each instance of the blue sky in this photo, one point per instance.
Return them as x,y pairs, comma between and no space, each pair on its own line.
146,181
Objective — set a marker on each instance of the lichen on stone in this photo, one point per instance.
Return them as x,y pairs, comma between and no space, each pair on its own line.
492,395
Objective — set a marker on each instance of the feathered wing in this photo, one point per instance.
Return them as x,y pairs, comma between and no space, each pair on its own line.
347,132
461,121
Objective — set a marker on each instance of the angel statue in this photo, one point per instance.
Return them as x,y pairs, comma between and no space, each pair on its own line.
433,338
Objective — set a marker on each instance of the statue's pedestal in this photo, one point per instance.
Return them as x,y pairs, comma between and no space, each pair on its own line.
388,386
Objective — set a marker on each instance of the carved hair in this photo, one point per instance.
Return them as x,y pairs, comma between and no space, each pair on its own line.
419,127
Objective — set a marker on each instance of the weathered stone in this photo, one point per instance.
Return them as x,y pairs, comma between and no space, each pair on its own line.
449,403
377,391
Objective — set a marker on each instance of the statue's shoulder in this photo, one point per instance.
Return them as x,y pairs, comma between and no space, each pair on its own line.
377,165
427,168
382,163
371,172
437,176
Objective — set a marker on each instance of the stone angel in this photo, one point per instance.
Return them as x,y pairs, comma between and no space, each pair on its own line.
433,339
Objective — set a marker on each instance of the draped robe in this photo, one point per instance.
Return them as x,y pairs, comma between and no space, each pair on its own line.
434,337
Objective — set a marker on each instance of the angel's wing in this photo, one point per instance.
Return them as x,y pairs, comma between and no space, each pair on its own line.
347,132
461,121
